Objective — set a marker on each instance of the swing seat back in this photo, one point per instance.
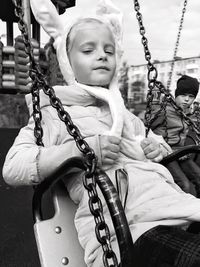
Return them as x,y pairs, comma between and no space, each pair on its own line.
56,238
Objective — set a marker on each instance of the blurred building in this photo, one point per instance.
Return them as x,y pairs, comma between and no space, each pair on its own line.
138,83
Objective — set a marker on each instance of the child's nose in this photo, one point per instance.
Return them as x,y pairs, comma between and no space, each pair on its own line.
101,55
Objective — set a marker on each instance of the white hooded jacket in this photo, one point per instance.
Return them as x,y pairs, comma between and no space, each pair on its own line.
153,197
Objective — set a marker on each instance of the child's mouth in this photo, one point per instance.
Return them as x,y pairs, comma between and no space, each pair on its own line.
102,68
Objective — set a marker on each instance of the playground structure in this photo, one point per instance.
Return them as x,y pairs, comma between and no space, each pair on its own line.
14,66
14,62
17,245
15,81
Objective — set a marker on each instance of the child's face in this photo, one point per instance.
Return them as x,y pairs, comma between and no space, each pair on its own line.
184,101
92,55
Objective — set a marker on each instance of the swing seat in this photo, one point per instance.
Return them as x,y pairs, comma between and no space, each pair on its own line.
56,238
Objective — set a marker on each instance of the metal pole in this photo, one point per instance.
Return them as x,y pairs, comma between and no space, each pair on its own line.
27,16
9,29
36,31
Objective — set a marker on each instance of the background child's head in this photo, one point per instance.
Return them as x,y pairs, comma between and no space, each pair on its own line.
186,91
90,47
187,85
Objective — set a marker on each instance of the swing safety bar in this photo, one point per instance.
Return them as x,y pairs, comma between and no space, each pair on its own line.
111,197
184,151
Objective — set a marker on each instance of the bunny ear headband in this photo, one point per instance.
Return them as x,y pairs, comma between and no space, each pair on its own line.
54,24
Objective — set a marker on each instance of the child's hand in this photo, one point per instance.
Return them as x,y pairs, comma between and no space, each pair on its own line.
109,149
152,149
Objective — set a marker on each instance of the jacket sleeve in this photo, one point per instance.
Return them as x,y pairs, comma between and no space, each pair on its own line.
164,147
29,164
140,129
156,125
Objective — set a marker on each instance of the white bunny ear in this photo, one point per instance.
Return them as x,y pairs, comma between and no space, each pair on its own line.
107,8
109,11
47,16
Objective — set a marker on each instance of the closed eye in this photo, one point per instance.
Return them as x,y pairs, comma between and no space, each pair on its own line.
87,51
109,49
109,52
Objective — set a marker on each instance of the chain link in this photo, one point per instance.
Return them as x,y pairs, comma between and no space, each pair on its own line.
197,116
176,45
101,228
197,122
90,176
154,84
151,69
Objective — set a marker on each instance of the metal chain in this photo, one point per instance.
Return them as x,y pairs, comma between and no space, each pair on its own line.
33,69
90,176
176,44
197,115
152,71
153,83
101,228
197,123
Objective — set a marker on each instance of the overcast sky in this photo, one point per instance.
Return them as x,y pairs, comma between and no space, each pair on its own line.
161,19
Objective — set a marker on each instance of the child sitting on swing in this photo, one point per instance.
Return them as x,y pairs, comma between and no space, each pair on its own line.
157,210
186,172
